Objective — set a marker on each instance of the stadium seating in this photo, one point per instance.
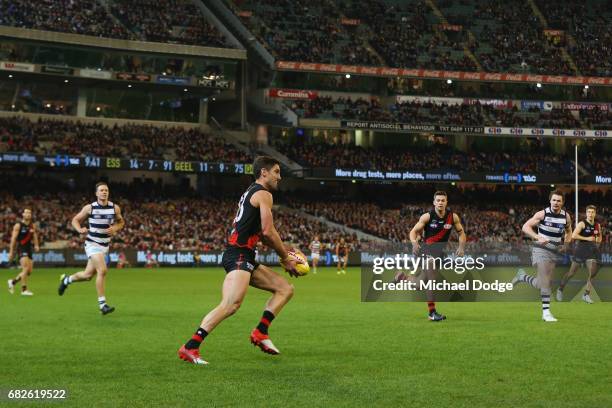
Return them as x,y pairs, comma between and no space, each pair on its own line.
467,35
143,20
428,113
75,138
439,158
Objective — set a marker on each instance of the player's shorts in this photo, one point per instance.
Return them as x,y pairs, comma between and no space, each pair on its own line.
434,250
92,249
314,256
583,253
235,258
342,257
25,252
539,255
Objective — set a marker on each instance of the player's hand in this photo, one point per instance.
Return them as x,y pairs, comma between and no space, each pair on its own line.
290,266
460,252
416,248
542,241
83,230
110,231
36,248
10,259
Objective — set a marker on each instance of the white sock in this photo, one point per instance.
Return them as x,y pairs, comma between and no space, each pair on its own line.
67,280
101,301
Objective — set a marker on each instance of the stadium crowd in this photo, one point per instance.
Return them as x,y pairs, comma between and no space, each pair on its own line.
76,138
175,218
179,220
435,157
589,24
168,21
499,36
424,112
489,217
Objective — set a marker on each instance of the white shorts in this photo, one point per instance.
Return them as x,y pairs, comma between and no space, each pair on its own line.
92,249
315,256
539,255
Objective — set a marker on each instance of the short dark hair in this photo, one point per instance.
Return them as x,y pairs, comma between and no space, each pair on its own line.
101,183
591,207
557,192
263,162
440,193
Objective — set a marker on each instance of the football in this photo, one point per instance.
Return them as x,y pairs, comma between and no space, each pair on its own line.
302,267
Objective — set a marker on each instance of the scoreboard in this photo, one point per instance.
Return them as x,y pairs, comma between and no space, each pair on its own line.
118,163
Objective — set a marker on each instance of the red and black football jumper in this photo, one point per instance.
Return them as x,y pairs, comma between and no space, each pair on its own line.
342,251
24,240
585,250
245,234
437,232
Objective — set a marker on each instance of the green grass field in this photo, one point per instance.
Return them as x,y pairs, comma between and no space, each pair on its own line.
336,351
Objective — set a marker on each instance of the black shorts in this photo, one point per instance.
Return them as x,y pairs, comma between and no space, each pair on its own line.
239,258
24,252
583,253
434,250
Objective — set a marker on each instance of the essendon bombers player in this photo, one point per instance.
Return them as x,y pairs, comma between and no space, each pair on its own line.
23,235
253,222
435,226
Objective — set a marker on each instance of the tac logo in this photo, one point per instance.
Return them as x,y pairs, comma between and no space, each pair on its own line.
495,131
537,131
579,133
558,132
433,224
516,131
601,133
448,226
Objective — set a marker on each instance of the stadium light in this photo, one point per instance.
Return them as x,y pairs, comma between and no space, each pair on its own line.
98,109
348,76
539,85
586,87
129,85
449,81
185,90
66,81
48,105
12,106
10,75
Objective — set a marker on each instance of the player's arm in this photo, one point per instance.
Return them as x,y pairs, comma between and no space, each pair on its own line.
568,229
263,200
79,218
338,249
417,230
529,228
118,224
599,236
35,238
14,235
578,230
462,235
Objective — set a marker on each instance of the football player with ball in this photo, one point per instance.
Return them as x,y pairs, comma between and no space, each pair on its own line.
253,222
